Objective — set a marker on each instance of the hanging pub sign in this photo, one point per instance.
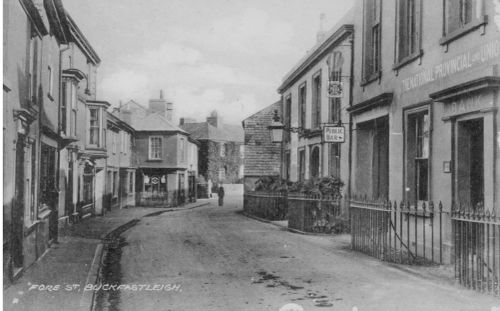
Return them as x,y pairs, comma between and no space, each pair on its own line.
333,134
335,89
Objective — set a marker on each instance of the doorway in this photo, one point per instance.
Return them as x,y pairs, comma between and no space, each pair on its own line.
469,182
372,159
48,190
314,163
18,207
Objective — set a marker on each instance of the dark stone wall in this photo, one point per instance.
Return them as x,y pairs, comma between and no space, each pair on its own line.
262,156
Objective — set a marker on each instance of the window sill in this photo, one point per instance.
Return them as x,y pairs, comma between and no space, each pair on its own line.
31,228
408,59
483,20
44,213
154,160
96,148
371,77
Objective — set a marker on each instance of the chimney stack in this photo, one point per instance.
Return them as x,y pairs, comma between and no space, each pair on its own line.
321,35
161,107
214,120
126,116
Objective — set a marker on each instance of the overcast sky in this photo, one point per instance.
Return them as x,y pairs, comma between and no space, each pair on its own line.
219,54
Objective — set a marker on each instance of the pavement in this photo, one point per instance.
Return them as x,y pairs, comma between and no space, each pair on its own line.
57,280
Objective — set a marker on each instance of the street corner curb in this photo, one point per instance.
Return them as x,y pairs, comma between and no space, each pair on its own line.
308,233
88,297
119,229
423,274
198,205
280,226
258,218
167,210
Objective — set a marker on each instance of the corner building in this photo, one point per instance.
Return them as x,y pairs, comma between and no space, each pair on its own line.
425,103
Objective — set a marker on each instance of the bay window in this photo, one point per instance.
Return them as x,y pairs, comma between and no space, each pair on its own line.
95,126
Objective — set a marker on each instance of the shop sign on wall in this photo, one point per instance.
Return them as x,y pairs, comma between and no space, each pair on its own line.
468,104
333,134
459,63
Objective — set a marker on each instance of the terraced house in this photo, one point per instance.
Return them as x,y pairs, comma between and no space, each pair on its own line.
53,133
315,94
82,125
120,169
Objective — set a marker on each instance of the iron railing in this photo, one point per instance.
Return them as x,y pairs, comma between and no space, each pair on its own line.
400,233
305,212
266,204
477,247
314,213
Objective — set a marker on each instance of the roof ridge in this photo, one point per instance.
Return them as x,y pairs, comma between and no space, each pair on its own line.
261,110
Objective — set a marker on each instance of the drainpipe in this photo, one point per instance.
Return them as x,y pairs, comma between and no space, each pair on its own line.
61,51
351,87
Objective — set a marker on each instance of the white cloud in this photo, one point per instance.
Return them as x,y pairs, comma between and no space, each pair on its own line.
185,66
169,53
124,84
198,104
252,31
178,64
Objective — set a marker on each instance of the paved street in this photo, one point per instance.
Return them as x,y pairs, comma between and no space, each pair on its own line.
215,258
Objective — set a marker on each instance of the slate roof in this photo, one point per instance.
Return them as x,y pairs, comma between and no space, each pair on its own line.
205,131
154,122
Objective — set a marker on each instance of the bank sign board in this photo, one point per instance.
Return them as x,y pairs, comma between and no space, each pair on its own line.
333,134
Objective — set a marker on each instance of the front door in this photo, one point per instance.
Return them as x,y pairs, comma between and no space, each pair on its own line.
69,209
18,207
48,190
469,178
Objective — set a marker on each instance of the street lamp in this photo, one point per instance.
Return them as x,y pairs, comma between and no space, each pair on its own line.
276,128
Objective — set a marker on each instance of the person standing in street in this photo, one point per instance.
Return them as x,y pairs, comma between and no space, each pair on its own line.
220,193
